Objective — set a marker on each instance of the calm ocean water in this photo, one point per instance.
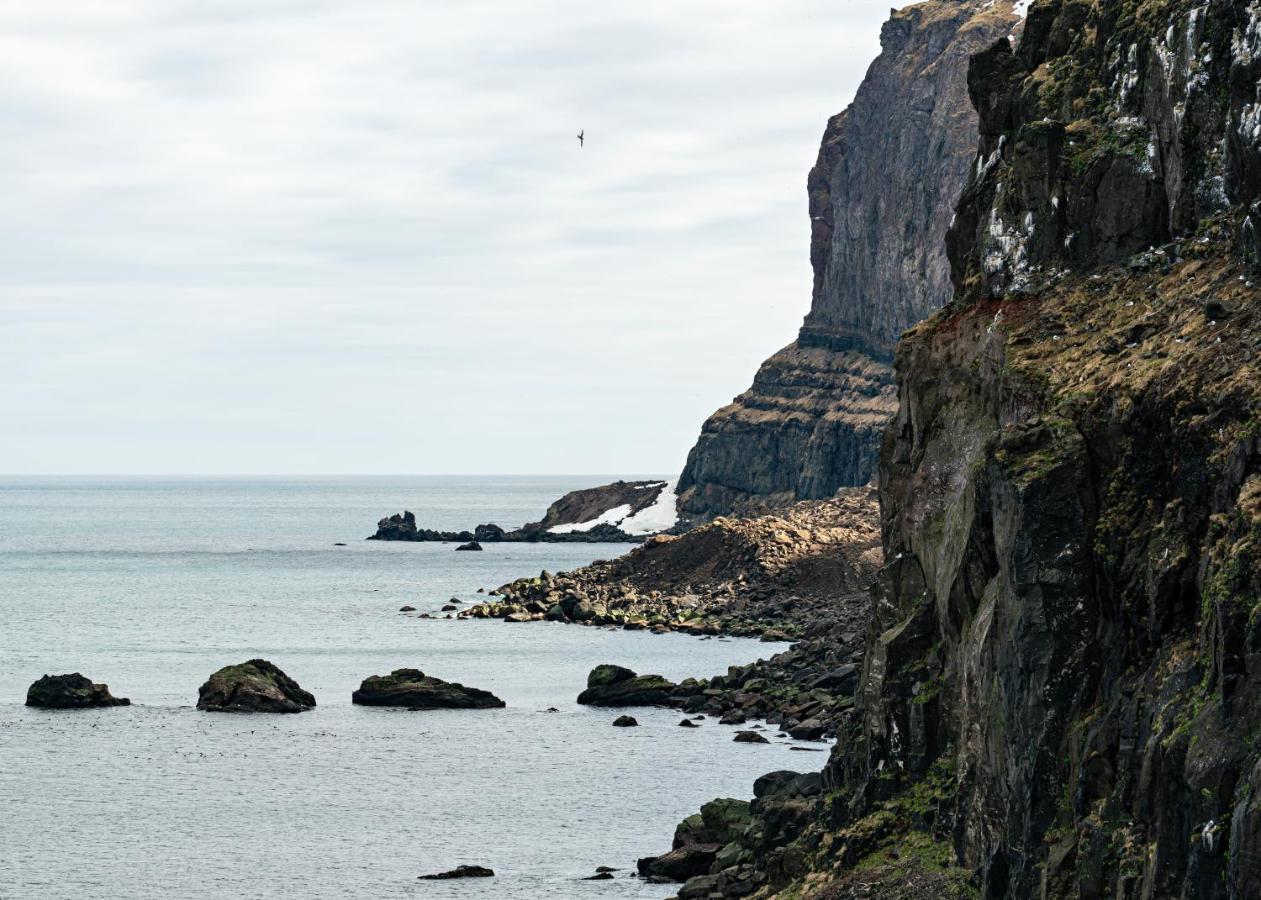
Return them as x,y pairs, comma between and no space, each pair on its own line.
151,584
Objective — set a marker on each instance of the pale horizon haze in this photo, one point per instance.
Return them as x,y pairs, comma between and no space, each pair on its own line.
301,237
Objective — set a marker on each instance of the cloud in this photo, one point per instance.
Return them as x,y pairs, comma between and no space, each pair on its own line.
336,237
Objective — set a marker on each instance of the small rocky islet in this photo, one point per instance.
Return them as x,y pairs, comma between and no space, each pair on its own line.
253,686
414,690
72,691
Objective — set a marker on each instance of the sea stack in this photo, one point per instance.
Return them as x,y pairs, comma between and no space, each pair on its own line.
253,686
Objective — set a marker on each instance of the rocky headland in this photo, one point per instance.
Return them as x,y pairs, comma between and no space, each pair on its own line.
881,196
776,576
619,512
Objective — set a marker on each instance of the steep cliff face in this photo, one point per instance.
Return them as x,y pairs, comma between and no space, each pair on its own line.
1063,681
880,199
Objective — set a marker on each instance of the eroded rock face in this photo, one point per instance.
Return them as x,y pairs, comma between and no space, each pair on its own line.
253,686
881,197
72,691
1065,658
414,689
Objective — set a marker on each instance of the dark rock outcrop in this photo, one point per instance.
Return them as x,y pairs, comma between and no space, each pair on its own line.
73,691
609,685
460,872
253,686
471,545
698,840
625,722
880,200
415,690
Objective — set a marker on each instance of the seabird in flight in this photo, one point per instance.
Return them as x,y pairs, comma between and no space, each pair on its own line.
580,137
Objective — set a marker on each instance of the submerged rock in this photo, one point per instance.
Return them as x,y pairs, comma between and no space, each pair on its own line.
253,686
471,545
625,722
609,685
460,872
73,691
414,689
749,737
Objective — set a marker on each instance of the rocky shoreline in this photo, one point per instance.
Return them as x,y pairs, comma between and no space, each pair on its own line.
780,576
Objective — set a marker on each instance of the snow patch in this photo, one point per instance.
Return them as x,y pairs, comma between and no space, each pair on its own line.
661,515
608,517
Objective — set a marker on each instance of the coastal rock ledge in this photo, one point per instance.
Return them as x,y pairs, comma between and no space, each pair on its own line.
253,686
73,691
415,690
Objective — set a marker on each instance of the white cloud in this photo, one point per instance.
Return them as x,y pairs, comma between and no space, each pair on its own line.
340,237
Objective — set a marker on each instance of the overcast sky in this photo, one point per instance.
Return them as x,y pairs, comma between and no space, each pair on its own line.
294,236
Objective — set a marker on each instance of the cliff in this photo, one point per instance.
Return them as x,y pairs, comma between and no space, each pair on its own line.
1061,692
889,170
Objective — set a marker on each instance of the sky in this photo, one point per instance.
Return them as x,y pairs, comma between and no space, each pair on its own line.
299,236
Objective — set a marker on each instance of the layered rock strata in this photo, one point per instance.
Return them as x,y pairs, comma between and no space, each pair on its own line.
881,196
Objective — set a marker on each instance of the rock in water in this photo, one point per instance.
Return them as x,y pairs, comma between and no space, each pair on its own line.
414,689
460,872
471,545
72,691
254,686
609,685
749,737
625,722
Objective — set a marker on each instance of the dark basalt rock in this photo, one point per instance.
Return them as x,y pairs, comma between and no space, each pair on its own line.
460,872
699,841
811,423
72,691
471,545
415,690
625,722
680,864
609,685
253,686
749,737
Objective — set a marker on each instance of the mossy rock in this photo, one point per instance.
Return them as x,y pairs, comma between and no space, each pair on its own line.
253,686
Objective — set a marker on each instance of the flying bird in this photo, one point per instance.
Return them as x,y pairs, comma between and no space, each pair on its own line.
581,137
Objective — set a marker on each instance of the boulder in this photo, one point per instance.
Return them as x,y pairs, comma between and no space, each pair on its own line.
73,691
688,723
749,737
253,686
460,872
625,722
617,686
679,864
809,730
471,545
414,689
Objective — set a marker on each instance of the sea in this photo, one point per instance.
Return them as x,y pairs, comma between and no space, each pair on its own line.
151,584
